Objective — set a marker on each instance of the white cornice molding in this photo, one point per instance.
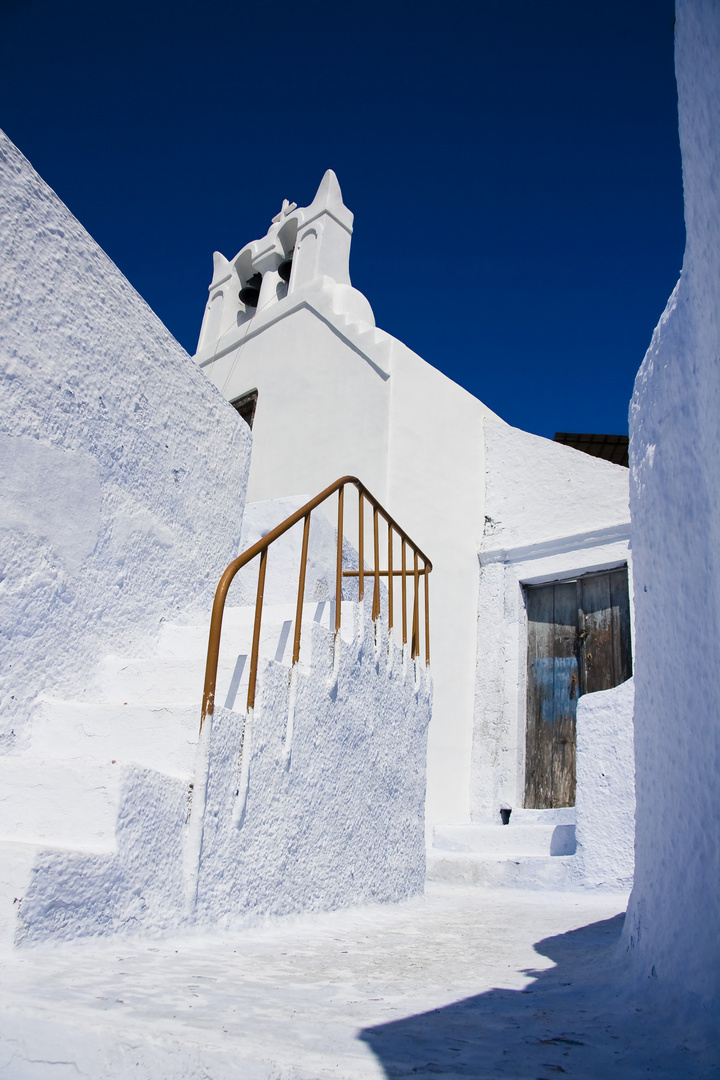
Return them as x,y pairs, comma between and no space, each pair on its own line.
559,545
313,300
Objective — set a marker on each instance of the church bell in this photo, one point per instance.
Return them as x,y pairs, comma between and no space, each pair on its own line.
250,292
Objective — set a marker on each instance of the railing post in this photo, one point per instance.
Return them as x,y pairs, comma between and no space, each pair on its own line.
403,558
361,549
213,653
376,554
391,579
301,590
427,616
256,630
415,647
338,566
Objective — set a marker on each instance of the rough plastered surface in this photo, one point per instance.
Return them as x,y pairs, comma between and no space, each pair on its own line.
122,471
471,983
672,926
137,888
605,804
537,489
317,800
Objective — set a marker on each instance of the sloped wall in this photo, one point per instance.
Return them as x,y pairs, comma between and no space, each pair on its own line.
318,802
537,489
122,470
671,928
314,802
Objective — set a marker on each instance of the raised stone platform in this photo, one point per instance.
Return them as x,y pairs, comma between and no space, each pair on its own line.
534,850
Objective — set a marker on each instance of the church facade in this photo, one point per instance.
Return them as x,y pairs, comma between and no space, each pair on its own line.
529,539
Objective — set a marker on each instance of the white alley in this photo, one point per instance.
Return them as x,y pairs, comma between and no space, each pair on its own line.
276,897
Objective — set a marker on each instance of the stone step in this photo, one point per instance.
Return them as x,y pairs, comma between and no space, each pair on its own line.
16,867
506,841
176,676
72,834
183,641
523,872
60,803
161,738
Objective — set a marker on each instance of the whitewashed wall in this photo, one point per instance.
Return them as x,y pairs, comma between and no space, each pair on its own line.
122,471
671,928
551,513
605,803
312,805
331,810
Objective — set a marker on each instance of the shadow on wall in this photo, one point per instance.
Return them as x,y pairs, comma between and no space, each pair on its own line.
573,1020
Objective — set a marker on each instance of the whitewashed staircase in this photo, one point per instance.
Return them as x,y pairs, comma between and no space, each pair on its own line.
534,850
104,776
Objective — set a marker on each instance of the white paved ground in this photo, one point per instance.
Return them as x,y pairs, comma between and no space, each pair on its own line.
461,983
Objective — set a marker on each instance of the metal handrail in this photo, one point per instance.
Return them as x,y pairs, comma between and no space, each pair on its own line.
261,549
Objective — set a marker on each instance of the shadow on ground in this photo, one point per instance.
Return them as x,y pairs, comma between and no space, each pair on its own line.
577,1019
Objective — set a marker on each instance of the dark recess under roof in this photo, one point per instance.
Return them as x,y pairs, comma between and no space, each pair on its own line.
609,447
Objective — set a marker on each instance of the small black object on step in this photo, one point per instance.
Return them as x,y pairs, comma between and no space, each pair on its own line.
505,813
284,270
250,292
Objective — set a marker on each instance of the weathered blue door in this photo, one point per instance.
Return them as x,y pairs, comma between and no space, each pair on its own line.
578,642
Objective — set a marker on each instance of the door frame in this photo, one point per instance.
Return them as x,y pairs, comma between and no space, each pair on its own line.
500,720
542,782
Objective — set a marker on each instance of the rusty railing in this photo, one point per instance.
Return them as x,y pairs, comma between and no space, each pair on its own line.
303,514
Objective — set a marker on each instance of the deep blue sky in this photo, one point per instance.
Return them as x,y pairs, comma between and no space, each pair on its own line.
513,166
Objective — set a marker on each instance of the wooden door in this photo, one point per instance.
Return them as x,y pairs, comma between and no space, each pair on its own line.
578,642
604,630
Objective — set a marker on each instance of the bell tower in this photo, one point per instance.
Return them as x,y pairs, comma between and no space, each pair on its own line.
302,246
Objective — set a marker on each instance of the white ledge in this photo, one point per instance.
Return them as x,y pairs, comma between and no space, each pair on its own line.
320,304
557,545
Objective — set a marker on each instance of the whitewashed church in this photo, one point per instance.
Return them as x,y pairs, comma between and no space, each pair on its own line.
529,542
395,688
334,766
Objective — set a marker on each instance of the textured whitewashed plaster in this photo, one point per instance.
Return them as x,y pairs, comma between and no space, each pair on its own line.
672,924
538,490
314,802
605,802
331,811
122,472
337,396
456,983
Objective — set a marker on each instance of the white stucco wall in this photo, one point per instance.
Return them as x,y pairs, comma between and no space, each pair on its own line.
322,408
313,814
551,512
122,471
605,803
435,469
671,927
339,819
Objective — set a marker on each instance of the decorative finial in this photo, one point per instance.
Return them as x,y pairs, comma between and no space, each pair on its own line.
287,208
